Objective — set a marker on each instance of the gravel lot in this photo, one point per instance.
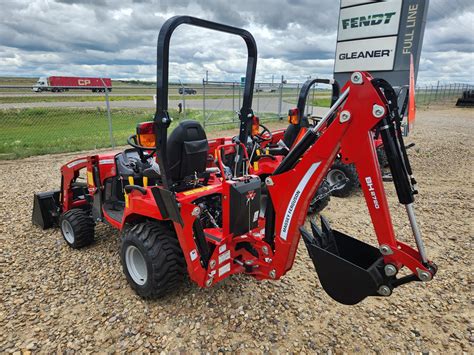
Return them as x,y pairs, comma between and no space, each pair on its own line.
56,299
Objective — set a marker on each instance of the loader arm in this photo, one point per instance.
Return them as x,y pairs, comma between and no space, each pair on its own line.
347,262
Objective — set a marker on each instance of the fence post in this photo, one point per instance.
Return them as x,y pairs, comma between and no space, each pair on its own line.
233,99
437,88
240,89
431,93
109,116
280,99
258,97
183,99
204,102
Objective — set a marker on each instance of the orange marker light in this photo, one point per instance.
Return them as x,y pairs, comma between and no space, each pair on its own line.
146,135
255,125
293,116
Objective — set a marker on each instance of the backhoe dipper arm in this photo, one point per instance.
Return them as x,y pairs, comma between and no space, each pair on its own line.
343,262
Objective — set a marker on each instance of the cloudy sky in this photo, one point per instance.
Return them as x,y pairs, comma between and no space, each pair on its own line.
295,38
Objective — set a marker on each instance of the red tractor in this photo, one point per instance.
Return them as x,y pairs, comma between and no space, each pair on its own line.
182,215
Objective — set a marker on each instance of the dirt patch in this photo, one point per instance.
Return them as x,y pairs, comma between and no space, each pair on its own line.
55,298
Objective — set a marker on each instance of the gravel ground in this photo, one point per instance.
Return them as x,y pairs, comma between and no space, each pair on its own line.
56,299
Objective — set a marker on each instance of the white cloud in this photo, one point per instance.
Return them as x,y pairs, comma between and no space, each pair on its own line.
296,38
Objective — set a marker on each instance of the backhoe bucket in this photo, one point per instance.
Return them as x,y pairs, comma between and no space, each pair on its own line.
349,270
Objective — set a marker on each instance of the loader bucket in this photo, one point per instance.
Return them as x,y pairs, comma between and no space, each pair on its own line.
46,209
349,270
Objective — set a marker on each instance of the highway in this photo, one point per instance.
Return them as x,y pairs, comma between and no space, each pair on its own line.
263,104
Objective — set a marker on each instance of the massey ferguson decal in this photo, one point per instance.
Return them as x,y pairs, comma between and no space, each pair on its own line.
295,198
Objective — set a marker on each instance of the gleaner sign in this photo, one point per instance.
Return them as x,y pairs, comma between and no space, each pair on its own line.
370,20
379,37
365,54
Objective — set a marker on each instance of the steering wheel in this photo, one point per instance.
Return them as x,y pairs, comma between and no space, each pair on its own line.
132,140
265,135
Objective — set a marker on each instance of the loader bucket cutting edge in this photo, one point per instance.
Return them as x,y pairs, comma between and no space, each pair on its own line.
349,270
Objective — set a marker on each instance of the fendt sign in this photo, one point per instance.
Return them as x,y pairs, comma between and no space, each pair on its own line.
379,37
370,20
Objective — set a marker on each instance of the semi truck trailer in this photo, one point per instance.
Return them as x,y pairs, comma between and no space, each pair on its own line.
64,83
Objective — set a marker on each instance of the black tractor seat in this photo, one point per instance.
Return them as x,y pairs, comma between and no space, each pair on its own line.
125,161
187,151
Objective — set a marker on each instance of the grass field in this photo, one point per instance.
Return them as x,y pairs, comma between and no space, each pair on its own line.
27,132
36,131
323,101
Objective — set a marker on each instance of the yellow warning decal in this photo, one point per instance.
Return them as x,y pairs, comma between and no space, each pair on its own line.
90,178
198,190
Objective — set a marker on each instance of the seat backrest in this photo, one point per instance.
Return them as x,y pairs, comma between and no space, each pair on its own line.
290,134
123,159
187,150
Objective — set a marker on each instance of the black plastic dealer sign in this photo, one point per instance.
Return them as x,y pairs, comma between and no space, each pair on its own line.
379,37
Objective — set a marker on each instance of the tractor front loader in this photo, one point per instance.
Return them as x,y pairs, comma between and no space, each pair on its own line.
179,217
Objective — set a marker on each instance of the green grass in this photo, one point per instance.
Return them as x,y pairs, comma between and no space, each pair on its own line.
319,101
36,131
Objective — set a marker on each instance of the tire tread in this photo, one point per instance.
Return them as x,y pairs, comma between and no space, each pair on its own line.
83,226
168,263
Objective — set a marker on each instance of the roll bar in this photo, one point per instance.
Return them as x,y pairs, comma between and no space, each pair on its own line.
305,91
162,119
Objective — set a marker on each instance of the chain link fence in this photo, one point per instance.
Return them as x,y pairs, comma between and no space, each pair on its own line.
427,95
34,123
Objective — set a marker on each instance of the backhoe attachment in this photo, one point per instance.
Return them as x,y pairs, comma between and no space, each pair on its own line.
350,270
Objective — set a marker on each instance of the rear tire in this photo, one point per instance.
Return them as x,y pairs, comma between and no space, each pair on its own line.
77,228
152,259
340,171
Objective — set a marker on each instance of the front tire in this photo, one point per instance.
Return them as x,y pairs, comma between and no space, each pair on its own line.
339,172
152,259
77,228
